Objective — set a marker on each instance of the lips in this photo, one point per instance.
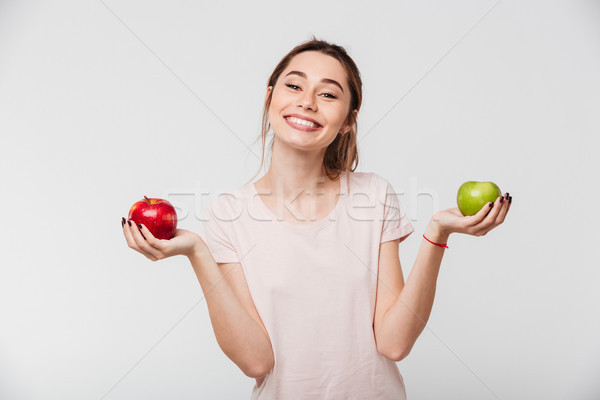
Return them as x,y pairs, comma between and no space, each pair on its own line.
301,127
304,118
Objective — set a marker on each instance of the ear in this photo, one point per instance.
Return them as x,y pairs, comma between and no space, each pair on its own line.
346,128
269,90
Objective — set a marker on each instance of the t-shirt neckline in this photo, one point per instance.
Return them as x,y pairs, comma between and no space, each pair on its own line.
308,226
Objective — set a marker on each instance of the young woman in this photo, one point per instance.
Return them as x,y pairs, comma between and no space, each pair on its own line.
300,269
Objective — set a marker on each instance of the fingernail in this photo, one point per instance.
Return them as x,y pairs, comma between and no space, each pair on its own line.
140,226
509,199
491,205
506,195
122,221
501,199
129,222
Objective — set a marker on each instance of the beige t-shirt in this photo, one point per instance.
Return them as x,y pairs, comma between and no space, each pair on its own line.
314,286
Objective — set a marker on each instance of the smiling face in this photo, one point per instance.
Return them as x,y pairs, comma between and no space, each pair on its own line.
313,87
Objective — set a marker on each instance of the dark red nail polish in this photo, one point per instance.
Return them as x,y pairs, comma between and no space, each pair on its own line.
129,222
491,205
122,221
509,199
501,199
140,226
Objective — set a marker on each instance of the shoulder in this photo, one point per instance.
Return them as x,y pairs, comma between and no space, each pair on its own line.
362,179
229,202
368,181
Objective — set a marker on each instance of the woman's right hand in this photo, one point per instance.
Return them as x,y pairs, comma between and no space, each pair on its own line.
141,240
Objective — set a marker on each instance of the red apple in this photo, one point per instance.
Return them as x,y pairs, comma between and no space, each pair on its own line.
157,215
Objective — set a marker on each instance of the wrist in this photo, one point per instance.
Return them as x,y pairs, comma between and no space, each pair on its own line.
436,233
199,250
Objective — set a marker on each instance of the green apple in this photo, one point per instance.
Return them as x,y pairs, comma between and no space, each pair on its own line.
472,196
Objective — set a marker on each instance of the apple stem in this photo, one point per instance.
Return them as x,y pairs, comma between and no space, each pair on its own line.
147,199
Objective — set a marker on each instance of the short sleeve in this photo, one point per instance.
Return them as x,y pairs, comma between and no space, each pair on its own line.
395,221
217,232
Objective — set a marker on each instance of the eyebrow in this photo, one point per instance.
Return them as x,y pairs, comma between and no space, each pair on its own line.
325,80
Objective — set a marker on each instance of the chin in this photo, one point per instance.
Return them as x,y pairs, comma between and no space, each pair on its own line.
302,144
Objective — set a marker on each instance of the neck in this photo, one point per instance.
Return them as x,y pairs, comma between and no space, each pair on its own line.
293,171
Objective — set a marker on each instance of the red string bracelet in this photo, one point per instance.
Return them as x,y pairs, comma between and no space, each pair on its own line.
437,244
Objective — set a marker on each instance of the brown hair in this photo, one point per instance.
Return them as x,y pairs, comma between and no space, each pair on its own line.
342,153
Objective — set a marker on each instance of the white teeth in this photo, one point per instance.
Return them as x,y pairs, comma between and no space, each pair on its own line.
302,122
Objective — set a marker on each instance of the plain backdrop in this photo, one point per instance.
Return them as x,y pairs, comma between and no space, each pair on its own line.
105,101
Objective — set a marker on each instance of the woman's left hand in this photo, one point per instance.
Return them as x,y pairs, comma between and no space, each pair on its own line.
452,220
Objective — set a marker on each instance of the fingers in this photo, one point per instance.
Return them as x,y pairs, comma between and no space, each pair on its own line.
143,243
146,234
491,217
479,217
156,245
136,241
504,210
495,217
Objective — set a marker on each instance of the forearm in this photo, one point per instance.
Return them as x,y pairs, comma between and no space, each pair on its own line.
406,318
239,336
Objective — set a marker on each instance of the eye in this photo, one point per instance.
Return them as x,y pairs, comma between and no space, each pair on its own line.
332,96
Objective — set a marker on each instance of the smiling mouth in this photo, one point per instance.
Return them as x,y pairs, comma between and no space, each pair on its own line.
303,125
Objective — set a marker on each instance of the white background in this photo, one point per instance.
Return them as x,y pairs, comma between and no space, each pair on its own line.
102,103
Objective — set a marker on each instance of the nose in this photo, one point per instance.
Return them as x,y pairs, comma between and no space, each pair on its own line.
307,100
